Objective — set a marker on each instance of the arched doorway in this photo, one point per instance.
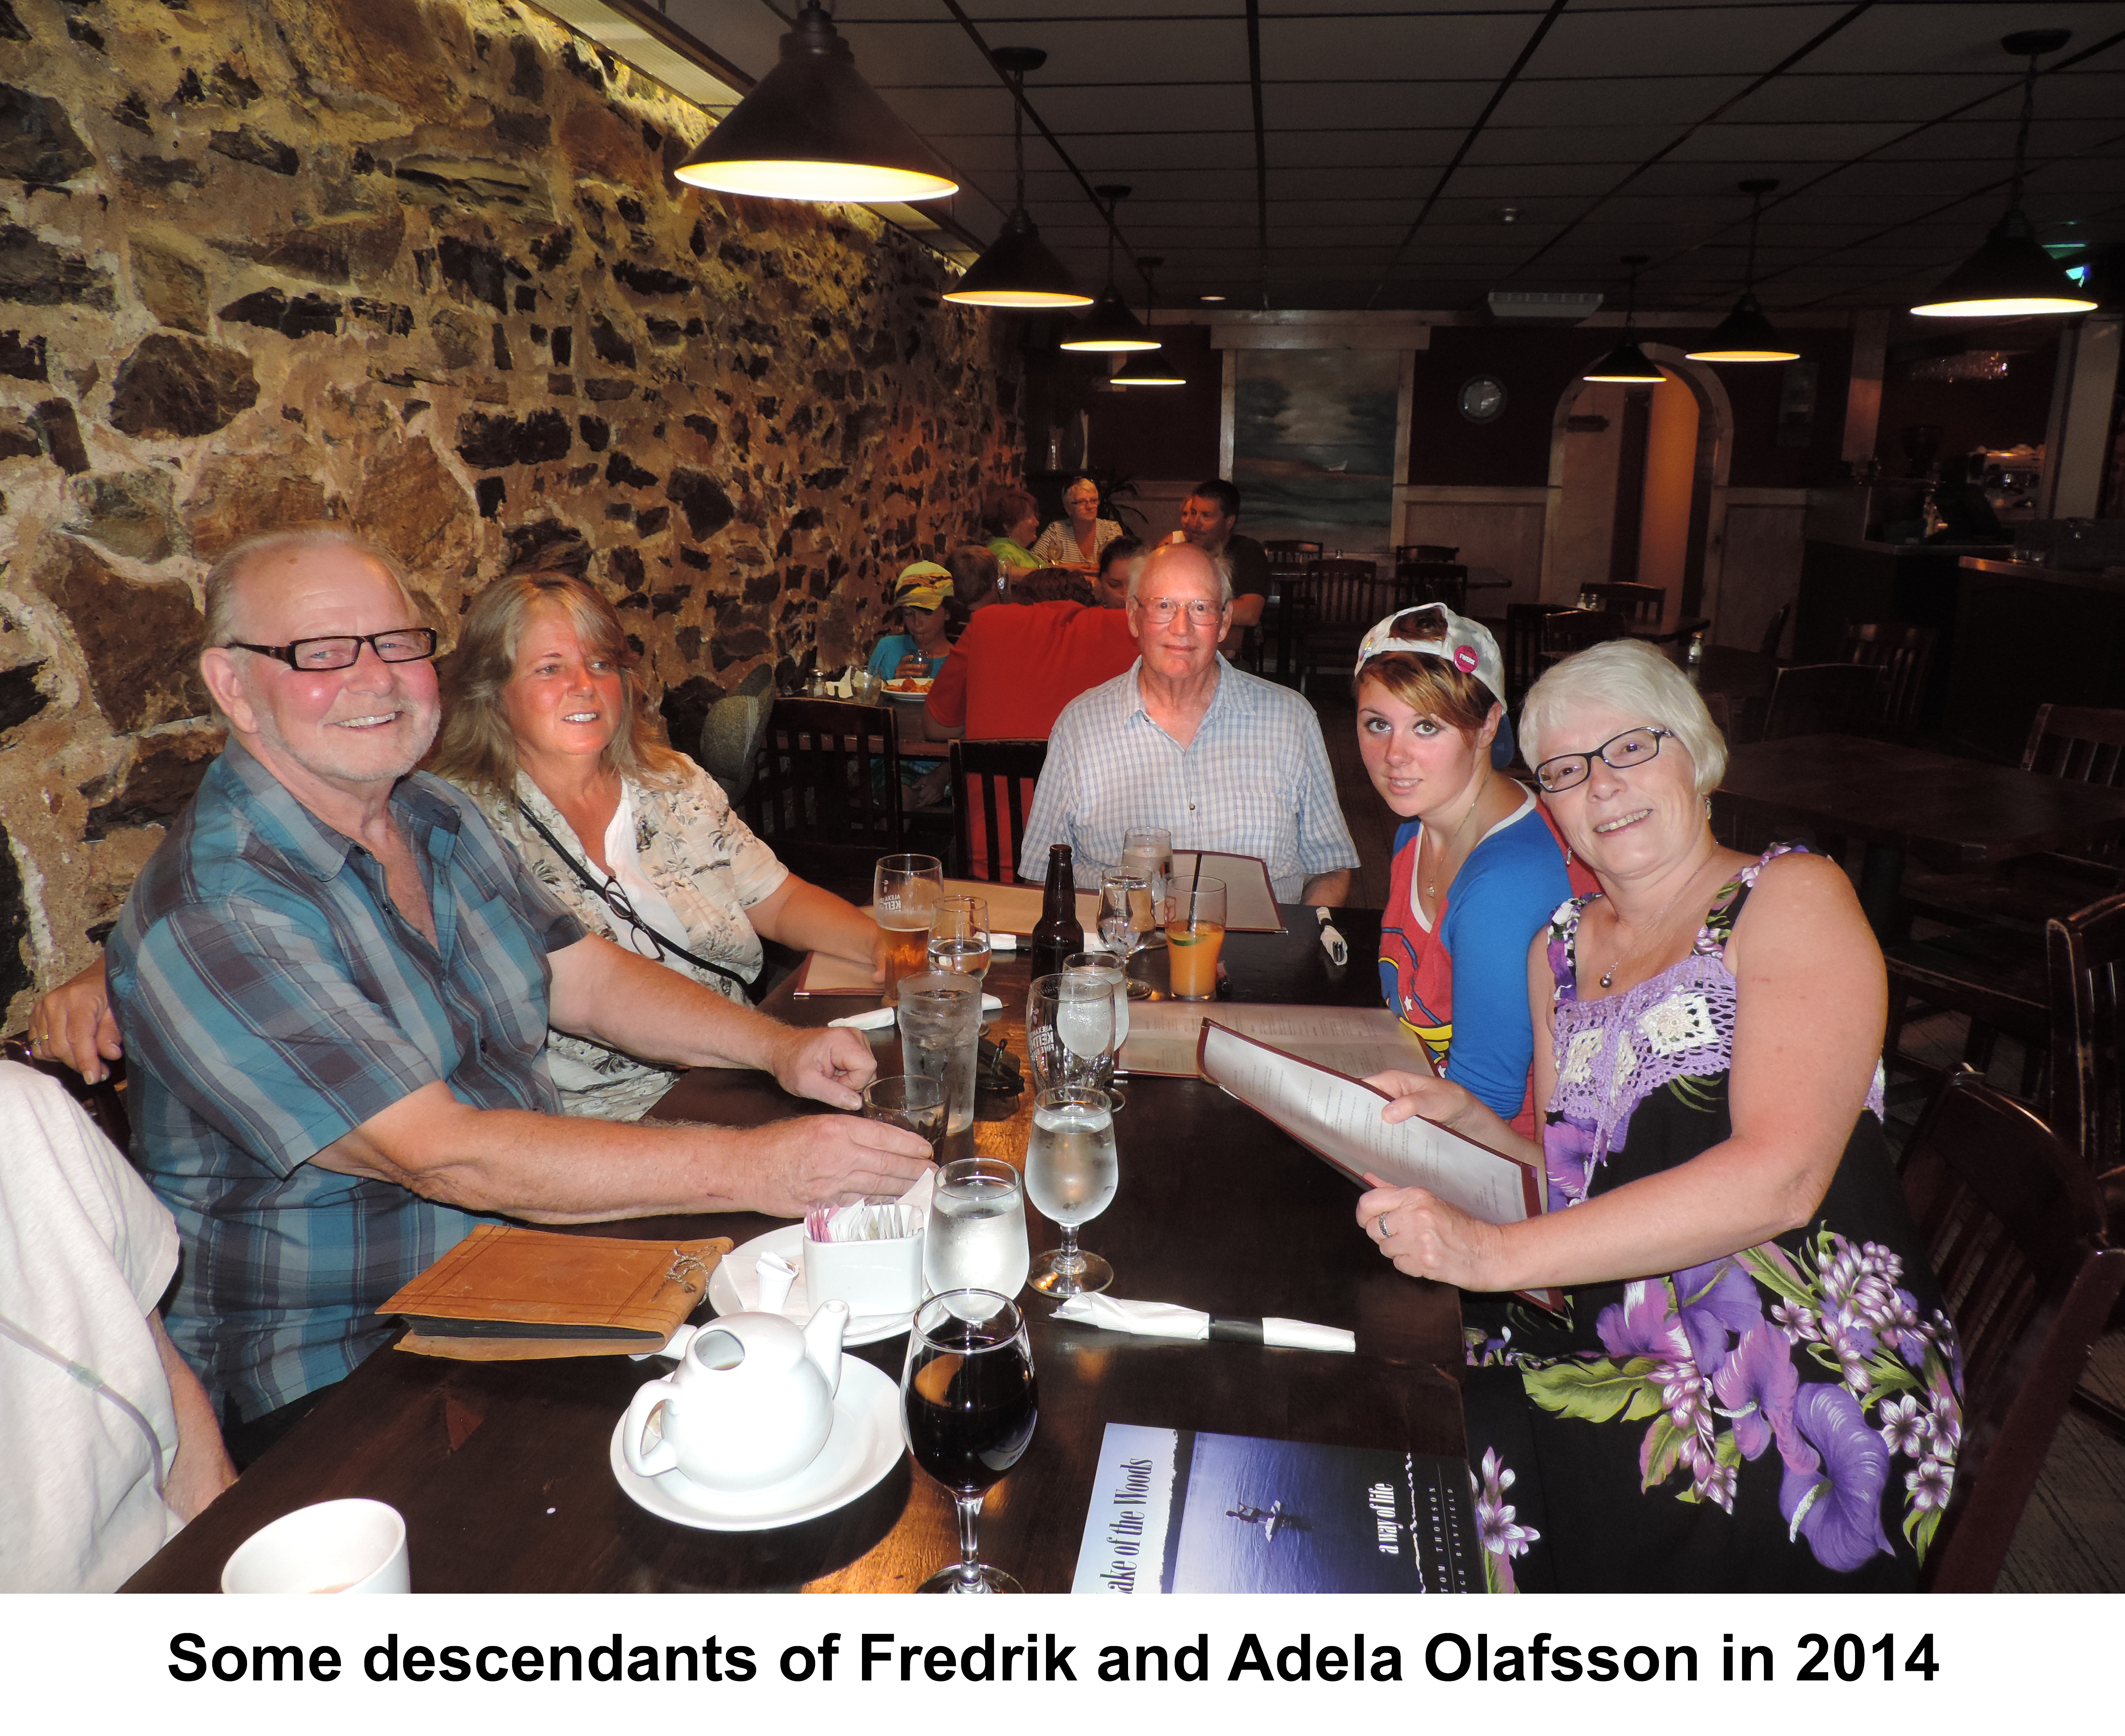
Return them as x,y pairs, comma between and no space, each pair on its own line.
1637,485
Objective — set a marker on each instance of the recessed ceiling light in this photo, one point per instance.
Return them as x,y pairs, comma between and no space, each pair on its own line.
1209,298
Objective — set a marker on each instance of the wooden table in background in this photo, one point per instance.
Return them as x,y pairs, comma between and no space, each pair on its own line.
501,1468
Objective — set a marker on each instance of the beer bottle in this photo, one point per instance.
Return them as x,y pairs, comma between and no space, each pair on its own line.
1059,933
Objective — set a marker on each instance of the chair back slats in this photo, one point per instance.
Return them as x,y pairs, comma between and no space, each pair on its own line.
1903,653
1292,552
1640,605
988,779
1521,648
1819,699
1434,581
2086,960
1427,553
2009,1220
828,780
1575,629
1775,632
2084,743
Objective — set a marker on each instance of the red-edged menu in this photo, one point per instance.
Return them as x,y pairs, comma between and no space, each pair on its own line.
1337,1118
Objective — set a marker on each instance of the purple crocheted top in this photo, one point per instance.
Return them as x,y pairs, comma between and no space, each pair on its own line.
1614,1052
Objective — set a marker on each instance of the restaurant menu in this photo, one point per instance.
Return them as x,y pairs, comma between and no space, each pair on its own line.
1250,901
1176,1510
1360,1040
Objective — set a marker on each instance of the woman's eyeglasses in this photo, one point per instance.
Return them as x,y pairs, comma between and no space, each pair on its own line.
1620,753
617,901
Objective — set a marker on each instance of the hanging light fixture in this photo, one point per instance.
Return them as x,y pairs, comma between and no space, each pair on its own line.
1018,270
1149,368
1626,363
1109,326
1747,335
813,130
2011,273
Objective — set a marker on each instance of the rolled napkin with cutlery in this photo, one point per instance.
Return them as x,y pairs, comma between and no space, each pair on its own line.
1338,949
1169,1320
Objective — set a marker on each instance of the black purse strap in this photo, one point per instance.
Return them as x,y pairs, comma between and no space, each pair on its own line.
604,894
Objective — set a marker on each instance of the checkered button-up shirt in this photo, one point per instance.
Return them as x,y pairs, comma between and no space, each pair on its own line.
273,998
1254,782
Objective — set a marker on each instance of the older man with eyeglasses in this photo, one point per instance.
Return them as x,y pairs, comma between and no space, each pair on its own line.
1183,741
333,982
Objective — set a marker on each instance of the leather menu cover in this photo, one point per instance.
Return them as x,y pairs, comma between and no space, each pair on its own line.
507,1294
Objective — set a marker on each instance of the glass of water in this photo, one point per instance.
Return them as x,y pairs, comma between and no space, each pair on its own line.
1070,1030
940,1025
1104,968
959,936
1147,852
1070,1174
976,1235
1125,917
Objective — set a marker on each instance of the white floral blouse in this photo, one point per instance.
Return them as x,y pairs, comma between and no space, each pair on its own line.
709,865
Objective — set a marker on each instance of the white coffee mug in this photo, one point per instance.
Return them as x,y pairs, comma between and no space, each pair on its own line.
333,1546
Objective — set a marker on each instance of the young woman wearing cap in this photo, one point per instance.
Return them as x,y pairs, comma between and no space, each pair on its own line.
1477,868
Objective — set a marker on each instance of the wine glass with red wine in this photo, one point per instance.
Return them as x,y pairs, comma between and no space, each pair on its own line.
971,1403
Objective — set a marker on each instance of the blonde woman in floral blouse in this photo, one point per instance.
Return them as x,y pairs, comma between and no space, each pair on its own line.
1753,1386
545,726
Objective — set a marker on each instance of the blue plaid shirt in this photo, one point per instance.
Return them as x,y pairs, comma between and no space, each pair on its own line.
273,998
1254,782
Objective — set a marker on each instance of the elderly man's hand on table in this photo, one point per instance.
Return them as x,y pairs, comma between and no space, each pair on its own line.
831,1160
829,1067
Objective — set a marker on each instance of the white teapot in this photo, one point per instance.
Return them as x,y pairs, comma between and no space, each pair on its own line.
750,1402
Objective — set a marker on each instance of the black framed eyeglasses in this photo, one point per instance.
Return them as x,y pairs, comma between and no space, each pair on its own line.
1619,753
340,651
615,900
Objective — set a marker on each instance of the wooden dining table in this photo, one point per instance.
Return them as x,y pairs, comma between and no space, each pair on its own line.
1953,814
501,1469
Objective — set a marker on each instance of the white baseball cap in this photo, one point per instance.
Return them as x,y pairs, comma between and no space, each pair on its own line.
1466,644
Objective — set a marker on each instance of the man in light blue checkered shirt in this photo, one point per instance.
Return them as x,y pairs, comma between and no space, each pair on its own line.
1221,759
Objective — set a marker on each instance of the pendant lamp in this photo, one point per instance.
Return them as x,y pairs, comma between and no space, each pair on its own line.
813,130
2011,273
1018,270
1626,364
1746,335
1109,326
1149,368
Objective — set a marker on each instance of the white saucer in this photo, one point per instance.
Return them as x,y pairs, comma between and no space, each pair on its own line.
864,1445
734,1288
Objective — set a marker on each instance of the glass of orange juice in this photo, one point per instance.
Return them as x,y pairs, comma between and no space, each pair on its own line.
1195,935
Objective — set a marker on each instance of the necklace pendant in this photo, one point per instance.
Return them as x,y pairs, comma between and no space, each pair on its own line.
1608,976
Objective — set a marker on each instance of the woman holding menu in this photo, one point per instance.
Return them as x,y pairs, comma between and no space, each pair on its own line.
1778,1406
1477,869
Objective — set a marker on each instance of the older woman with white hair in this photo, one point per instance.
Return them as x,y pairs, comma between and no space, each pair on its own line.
1753,1384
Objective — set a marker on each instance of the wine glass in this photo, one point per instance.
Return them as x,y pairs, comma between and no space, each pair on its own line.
1070,1030
1070,1174
969,1397
1148,851
904,894
976,1236
1104,967
959,936
1125,917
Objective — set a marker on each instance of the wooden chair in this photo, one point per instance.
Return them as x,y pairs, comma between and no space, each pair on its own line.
1642,605
1341,601
1575,629
1520,647
1818,699
1292,552
2085,745
1435,581
1425,553
983,775
826,789
105,1102
2008,1216
1902,654
1776,630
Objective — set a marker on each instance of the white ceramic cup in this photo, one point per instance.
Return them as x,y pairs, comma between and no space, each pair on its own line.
333,1546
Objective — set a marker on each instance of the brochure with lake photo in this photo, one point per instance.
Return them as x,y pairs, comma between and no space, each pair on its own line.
1180,1510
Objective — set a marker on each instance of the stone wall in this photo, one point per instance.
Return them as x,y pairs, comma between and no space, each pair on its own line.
421,269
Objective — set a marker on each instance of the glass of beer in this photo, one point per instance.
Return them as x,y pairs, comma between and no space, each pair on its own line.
1195,934
904,894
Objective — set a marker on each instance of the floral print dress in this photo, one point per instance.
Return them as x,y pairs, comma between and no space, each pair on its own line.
1786,1417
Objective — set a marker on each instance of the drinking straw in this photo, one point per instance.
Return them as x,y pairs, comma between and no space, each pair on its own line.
1192,881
